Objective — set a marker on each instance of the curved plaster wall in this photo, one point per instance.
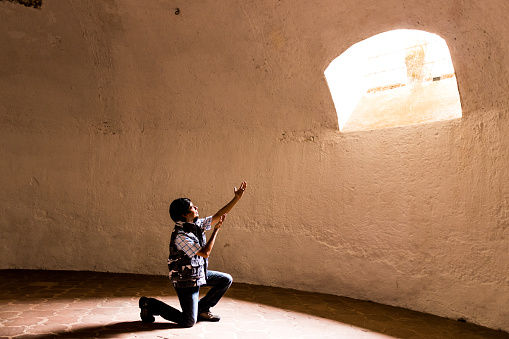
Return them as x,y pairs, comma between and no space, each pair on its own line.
111,109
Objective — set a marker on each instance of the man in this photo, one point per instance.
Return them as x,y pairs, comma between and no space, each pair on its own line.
189,252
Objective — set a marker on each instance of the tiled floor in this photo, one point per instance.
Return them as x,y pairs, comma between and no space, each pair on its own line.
63,304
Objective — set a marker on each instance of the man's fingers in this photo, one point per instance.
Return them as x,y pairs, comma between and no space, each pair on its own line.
221,219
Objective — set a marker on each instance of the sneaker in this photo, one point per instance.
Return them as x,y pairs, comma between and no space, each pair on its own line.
207,316
145,315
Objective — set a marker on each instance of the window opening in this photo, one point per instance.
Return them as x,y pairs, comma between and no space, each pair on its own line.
396,78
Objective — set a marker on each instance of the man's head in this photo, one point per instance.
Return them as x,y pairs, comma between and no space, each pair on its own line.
182,209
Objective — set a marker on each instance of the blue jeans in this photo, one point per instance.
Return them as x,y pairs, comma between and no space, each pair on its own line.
189,300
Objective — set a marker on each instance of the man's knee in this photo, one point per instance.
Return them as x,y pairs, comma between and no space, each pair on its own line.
228,279
189,322
219,279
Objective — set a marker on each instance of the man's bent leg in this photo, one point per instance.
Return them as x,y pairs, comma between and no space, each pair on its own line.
157,307
188,298
186,318
220,282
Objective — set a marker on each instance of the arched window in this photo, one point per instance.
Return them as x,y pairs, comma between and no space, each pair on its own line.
396,78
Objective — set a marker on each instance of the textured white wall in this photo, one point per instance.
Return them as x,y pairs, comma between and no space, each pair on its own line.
109,110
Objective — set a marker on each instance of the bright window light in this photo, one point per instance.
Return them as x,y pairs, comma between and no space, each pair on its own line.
396,78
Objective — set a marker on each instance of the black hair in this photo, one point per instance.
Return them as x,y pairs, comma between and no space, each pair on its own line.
178,208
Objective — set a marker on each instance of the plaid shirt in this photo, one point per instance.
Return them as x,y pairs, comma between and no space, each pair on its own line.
191,245
183,268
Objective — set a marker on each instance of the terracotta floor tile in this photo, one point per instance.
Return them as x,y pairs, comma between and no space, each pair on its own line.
61,304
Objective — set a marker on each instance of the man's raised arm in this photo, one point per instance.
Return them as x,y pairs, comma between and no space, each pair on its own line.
229,206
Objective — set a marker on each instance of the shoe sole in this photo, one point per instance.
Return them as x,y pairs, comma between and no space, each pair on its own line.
145,316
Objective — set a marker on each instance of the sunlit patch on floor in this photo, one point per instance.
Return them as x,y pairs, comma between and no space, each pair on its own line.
65,304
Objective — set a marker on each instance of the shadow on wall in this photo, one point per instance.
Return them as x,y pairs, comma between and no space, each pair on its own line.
28,3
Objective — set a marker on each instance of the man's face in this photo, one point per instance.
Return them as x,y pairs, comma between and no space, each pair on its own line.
193,213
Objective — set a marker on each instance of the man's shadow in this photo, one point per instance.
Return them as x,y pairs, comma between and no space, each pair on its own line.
110,330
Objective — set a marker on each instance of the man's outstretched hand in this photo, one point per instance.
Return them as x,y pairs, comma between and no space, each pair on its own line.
227,208
240,191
